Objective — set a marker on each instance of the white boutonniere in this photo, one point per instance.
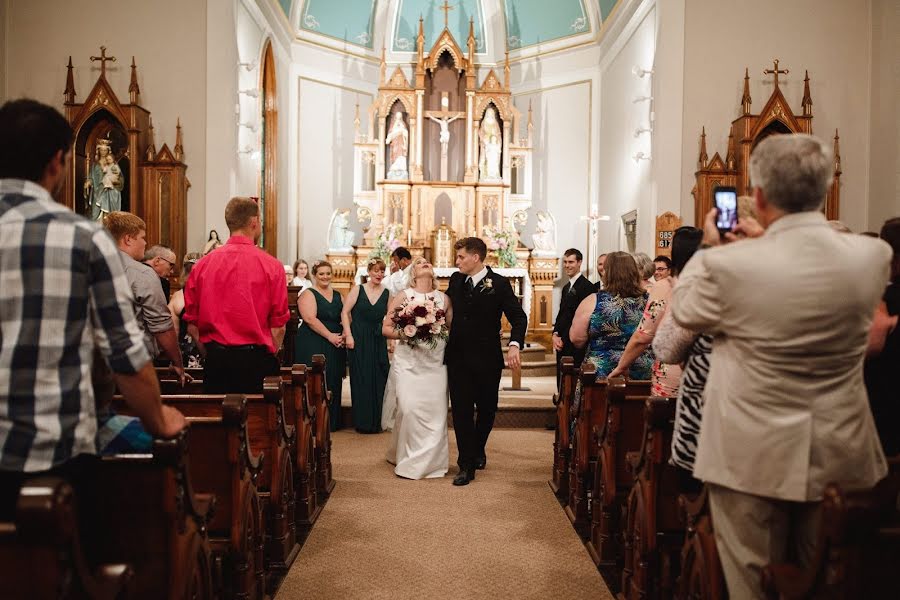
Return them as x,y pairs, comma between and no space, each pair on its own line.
488,285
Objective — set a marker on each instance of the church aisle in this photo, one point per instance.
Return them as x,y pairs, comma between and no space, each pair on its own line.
504,535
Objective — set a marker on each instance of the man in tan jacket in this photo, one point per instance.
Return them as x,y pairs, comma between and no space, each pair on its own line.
785,409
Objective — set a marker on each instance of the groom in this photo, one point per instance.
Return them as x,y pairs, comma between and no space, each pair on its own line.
473,356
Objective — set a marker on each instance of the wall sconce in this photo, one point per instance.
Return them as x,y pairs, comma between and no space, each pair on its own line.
251,93
251,126
642,99
640,130
640,156
639,72
247,65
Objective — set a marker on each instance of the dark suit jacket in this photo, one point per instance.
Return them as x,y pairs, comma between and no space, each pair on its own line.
475,332
568,304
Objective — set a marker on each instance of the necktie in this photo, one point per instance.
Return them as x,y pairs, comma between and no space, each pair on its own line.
567,289
470,287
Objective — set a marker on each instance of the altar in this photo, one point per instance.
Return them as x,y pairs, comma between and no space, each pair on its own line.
446,155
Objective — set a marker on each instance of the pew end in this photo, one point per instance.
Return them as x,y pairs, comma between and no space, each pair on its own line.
562,445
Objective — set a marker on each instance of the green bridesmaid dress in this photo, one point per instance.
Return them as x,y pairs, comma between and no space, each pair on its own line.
308,342
369,364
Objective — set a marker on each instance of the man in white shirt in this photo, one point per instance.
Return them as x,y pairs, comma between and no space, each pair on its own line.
401,262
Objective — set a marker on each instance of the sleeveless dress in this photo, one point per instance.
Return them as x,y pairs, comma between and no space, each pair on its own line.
308,342
418,383
368,361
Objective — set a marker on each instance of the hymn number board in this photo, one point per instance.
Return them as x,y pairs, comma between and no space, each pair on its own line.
666,224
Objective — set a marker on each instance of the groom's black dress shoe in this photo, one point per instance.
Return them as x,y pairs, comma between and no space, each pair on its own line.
464,477
481,463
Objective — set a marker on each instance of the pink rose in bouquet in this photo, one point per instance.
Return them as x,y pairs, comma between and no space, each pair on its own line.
420,322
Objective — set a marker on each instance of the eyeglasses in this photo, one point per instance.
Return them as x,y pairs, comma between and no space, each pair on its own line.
661,269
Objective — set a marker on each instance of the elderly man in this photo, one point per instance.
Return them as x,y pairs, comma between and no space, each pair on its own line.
785,408
163,261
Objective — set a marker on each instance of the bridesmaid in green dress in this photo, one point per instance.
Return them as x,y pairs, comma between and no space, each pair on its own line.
366,347
320,308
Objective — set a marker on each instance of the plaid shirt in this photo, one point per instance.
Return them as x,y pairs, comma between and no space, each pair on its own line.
63,292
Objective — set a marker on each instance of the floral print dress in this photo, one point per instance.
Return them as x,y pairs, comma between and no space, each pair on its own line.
612,324
666,377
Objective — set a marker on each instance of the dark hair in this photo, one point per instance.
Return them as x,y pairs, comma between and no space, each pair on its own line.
320,264
31,134
574,252
663,259
890,232
684,243
472,245
871,234
402,253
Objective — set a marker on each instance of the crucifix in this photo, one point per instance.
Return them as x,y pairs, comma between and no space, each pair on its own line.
443,118
446,7
776,71
103,58
593,220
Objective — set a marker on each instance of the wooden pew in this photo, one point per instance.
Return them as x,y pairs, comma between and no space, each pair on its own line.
561,444
300,411
590,412
701,573
41,554
222,464
653,531
271,436
142,509
858,552
618,433
322,399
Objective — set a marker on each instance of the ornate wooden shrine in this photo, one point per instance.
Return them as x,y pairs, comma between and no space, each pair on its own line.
747,131
151,184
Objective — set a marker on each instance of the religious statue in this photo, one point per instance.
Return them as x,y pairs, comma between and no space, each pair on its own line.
340,238
491,146
212,242
544,236
103,186
445,130
398,140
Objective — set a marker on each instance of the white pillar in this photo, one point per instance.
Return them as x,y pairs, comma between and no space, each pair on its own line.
470,101
420,117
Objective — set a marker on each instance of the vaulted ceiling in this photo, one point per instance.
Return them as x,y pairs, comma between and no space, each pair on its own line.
520,26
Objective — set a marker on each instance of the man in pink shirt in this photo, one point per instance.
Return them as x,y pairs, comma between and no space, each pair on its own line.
235,304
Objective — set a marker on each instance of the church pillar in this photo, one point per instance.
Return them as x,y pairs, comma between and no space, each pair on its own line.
470,100
420,114
476,127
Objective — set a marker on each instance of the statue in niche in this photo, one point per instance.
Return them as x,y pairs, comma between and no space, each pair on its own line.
340,238
544,236
398,139
444,124
103,187
491,146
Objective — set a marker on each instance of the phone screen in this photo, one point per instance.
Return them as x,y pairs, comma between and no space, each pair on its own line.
726,203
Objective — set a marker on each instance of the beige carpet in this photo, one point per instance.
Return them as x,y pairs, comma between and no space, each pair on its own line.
502,536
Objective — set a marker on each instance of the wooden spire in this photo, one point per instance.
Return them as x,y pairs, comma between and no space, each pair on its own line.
471,42
704,157
151,148
134,90
837,154
746,101
70,84
807,97
730,158
179,146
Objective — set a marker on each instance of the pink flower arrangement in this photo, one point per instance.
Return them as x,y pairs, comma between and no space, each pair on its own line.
503,241
420,322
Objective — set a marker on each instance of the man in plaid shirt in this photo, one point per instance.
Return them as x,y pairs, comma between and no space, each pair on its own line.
63,292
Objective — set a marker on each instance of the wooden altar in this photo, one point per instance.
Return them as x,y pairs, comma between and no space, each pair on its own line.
154,185
747,131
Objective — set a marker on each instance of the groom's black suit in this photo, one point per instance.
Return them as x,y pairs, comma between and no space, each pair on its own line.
474,358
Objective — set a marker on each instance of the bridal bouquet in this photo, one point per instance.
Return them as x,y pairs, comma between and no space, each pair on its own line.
420,322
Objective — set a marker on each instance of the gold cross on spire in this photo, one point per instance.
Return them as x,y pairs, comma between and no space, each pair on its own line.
446,7
776,71
103,58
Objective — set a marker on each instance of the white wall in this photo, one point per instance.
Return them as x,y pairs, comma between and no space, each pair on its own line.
884,168
167,39
830,38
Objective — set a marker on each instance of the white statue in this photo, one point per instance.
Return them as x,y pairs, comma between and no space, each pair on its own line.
445,129
340,238
491,146
544,236
398,139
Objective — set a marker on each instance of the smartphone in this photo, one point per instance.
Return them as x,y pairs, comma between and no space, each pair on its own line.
726,207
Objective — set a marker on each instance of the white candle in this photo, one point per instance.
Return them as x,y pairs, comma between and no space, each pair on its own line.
409,238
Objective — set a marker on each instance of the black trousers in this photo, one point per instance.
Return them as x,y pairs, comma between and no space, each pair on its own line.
237,369
76,471
470,390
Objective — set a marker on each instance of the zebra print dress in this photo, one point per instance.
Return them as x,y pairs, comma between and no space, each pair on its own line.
689,410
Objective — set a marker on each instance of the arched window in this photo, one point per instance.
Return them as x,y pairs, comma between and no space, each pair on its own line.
268,192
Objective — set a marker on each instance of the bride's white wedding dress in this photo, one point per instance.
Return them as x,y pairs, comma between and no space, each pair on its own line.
415,407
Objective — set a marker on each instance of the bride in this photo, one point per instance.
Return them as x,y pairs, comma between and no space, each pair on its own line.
418,384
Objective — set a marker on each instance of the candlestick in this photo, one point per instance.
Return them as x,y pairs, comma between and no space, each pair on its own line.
409,238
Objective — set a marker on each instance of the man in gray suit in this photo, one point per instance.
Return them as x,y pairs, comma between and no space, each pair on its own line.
785,409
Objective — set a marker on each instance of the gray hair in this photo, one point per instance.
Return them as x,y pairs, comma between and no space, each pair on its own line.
644,264
158,250
793,171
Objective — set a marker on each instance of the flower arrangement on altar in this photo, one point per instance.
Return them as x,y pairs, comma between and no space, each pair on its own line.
503,241
419,322
387,241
